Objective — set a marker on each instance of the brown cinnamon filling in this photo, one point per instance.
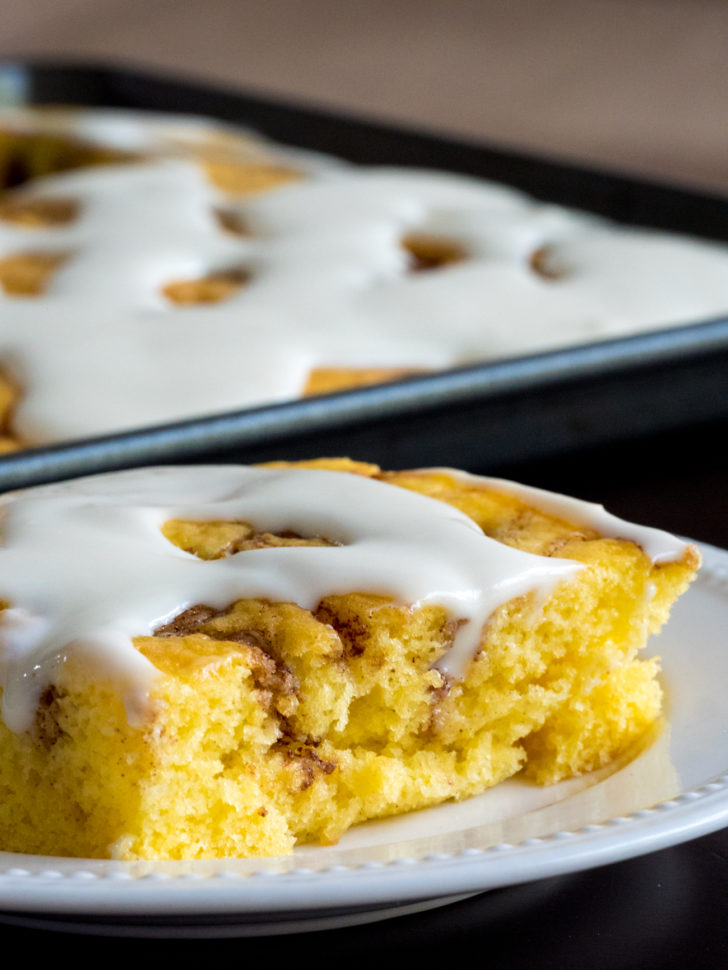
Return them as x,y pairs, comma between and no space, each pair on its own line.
40,213
428,251
208,289
274,681
46,727
304,758
231,222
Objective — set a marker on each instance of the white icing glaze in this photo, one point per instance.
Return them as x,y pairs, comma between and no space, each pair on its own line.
103,351
85,566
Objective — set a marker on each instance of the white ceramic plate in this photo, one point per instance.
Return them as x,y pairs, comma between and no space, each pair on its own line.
676,789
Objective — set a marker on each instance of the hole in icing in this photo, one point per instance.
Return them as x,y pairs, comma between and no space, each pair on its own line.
213,288
545,263
219,540
9,396
231,222
246,178
428,251
39,213
29,273
27,155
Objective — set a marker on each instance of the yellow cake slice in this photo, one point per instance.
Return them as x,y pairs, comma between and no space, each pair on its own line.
232,720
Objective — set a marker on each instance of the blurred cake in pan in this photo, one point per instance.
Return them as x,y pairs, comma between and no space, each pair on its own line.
157,268
225,661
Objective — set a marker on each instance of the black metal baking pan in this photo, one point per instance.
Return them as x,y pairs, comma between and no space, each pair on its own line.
482,416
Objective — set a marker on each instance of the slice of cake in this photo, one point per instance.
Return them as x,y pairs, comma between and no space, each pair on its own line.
228,661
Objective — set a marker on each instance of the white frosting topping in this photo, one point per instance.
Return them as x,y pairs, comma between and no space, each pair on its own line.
85,566
102,350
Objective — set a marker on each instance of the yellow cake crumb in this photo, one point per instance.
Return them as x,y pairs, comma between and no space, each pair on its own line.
326,380
238,177
207,289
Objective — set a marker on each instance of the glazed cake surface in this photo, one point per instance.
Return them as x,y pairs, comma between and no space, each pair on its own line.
166,268
224,661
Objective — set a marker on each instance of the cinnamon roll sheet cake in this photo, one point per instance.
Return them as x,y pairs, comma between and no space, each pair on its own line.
155,268
218,661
